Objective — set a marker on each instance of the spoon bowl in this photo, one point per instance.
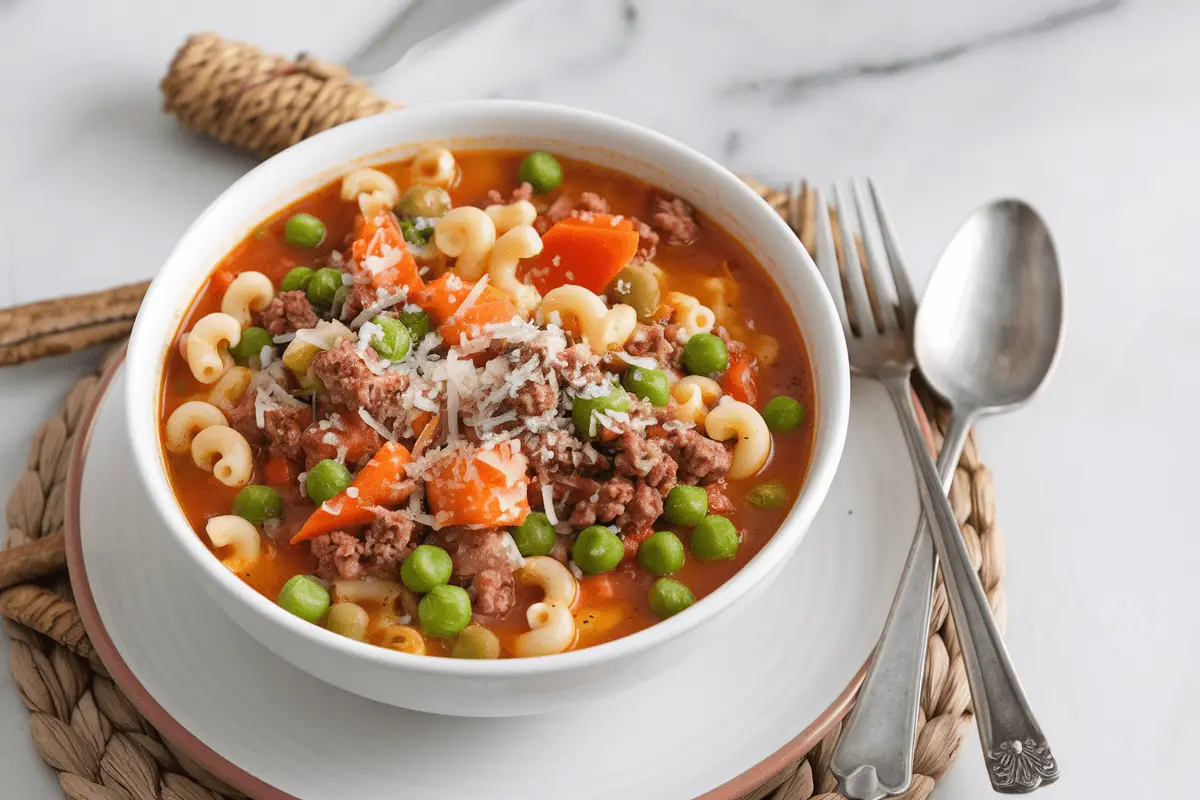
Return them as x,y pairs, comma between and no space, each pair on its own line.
990,326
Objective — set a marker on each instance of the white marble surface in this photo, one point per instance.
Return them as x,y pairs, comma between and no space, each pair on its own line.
1086,109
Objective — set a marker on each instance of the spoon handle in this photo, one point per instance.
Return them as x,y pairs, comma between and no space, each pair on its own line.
1017,755
874,755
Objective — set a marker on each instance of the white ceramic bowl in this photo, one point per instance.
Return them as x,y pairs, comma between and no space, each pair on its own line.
510,686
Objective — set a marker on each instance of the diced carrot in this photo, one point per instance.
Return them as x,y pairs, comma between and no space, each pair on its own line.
472,486
442,298
586,252
740,380
382,482
379,238
278,471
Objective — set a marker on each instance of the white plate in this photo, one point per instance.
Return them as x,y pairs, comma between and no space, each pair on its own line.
790,660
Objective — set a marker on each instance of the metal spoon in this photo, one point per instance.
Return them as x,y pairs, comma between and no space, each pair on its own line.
987,336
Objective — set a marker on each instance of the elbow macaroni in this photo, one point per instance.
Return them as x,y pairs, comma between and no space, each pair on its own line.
694,396
732,418
225,453
372,590
468,234
249,291
240,536
511,216
520,242
551,624
721,295
436,167
227,391
690,314
188,420
403,638
208,346
375,191
603,328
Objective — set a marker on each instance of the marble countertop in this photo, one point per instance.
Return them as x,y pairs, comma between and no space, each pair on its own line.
1086,108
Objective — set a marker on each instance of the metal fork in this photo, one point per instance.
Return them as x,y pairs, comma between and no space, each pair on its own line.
874,756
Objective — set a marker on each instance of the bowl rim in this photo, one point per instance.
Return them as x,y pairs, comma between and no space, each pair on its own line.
290,169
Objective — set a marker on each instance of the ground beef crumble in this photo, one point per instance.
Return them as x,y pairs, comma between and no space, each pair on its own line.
288,312
350,383
379,553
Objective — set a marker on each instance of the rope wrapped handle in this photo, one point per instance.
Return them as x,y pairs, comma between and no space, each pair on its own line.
255,101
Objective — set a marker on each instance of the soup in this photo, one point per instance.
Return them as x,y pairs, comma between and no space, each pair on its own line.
487,404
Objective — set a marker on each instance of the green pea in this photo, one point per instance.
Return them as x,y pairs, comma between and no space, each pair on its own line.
714,539
705,354
648,384
323,286
414,234
258,504
427,567
476,641
637,287
420,200
667,597
597,550
767,495
349,620
445,611
783,414
297,279
418,323
304,596
326,480
661,553
304,230
585,408
686,505
253,340
541,171
534,536
395,340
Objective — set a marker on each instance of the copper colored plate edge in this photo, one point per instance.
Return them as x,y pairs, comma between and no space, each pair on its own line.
239,779
142,700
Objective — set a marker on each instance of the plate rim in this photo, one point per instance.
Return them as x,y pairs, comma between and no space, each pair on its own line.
744,782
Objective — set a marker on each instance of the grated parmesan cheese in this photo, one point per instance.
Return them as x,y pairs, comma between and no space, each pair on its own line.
548,503
380,305
375,425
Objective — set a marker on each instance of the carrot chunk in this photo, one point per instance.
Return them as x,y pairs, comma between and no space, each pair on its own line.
473,486
444,298
380,244
741,378
382,482
585,251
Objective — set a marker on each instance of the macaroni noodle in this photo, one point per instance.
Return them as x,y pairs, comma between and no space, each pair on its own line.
227,391
375,191
404,638
732,418
603,328
694,396
208,346
689,314
188,420
435,166
240,536
551,630
225,453
250,291
511,216
520,242
466,233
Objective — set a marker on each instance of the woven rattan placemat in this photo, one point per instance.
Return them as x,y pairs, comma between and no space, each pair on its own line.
93,737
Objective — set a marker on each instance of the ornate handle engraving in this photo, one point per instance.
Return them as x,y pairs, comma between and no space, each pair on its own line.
1019,766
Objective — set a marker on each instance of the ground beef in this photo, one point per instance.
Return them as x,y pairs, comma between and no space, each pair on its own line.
563,207
577,366
647,241
718,501
701,460
534,399
606,505
522,192
674,218
353,447
660,342
645,507
350,383
281,431
639,457
283,428
387,542
288,312
483,559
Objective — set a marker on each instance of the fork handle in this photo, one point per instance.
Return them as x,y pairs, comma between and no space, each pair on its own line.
874,755
1016,753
